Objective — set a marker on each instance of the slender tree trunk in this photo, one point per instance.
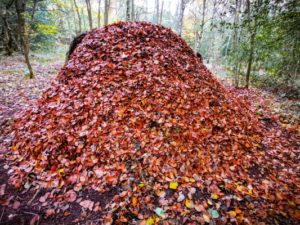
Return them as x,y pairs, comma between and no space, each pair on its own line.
99,13
74,17
21,9
79,17
127,10
106,11
89,11
183,4
161,12
7,35
251,53
235,40
9,41
180,16
33,9
196,40
200,35
83,20
132,11
157,11
252,42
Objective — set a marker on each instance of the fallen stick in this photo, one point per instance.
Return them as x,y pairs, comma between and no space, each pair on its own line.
34,196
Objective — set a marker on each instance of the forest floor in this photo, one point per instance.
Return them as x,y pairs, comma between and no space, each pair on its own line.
24,206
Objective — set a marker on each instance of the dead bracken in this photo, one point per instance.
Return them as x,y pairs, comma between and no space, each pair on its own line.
134,107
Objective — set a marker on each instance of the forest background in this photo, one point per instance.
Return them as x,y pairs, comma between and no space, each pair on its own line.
254,42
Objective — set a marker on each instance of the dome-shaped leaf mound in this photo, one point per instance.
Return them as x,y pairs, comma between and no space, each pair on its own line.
135,106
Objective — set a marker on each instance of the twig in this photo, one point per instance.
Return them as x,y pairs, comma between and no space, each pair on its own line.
31,200
31,213
2,214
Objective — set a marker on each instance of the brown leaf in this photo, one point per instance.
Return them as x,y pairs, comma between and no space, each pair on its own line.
2,189
16,205
35,219
87,204
70,196
50,212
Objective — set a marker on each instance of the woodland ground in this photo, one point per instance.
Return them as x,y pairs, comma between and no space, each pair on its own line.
16,91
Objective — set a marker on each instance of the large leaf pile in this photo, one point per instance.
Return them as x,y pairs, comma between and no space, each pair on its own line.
134,107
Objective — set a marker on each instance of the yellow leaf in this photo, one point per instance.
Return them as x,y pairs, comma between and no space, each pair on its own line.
134,201
250,192
209,202
150,221
232,213
189,204
61,170
240,188
173,185
141,185
214,196
14,148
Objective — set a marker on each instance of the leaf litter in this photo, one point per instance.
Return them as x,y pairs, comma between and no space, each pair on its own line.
134,107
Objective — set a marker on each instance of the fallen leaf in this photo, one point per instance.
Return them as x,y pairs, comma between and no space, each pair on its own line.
2,189
214,196
206,218
108,220
160,212
134,201
150,221
232,213
173,185
70,196
189,204
199,208
214,213
44,197
16,205
35,219
50,212
87,204
181,197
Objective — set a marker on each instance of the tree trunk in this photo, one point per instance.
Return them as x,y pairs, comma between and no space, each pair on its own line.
106,11
183,4
74,16
99,13
157,11
200,35
21,9
196,40
127,10
89,11
250,57
33,9
84,26
8,39
79,17
252,42
7,35
132,11
235,44
161,12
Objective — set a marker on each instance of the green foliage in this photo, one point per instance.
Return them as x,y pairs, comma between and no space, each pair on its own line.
45,29
276,43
